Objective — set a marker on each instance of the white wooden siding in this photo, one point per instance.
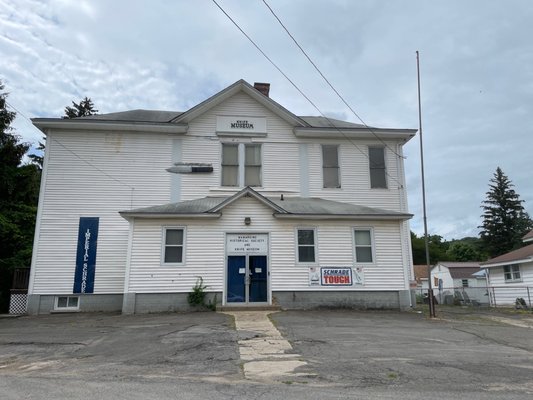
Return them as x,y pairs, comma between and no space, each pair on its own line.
98,174
205,252
95,174
505,293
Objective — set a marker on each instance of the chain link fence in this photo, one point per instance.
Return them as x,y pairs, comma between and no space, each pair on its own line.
482,296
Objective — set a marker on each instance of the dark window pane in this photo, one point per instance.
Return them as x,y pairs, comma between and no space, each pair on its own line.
377,157
330,156
306,254
173,254
363,254
174,236
73,302
62,301
331,178
377,179
306,236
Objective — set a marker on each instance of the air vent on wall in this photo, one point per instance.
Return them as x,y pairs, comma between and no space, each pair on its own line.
190,168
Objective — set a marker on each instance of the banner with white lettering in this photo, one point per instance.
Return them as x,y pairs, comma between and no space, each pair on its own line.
86,255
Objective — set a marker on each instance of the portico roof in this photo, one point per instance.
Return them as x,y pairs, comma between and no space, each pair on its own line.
282,207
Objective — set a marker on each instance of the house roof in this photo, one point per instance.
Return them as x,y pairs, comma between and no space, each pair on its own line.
528,237
463,273
524,254
421,272
177,122
289,208
455,264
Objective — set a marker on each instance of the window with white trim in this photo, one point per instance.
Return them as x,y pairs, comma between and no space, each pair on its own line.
173,245
241,164
67,303
378,172
330,166
306,245
464,282
511,273
230,165
363,246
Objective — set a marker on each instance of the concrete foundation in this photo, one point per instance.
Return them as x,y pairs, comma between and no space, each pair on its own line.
306,300
44,304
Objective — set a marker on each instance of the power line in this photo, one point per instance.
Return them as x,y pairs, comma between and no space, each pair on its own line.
327,80
301,92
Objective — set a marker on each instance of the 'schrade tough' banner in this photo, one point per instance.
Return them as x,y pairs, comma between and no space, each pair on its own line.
336,276
86,255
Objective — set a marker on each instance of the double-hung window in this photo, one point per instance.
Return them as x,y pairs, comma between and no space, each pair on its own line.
173,246
241,164
378,172
330,166
363,246
511,273
230,165
306,245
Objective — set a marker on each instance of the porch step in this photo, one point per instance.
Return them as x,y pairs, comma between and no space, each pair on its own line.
249,308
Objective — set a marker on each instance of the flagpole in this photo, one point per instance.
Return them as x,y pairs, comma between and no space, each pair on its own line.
431,299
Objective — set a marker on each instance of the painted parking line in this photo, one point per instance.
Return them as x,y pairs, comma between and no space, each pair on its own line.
266,355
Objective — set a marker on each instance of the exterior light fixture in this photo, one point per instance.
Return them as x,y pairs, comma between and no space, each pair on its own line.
247,221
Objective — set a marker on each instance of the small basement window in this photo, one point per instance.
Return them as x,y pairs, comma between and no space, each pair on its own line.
67,303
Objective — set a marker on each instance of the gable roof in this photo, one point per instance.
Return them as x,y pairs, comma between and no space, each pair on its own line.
522,255
457,264
289,208
240,86
138,115
463,273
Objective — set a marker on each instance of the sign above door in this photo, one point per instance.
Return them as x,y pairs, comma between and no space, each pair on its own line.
247,243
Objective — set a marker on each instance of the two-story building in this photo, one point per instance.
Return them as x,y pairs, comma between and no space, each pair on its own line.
266,207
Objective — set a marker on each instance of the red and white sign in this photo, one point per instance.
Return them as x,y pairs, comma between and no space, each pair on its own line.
336,276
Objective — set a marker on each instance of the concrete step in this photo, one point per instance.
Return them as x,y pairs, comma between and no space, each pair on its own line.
248,308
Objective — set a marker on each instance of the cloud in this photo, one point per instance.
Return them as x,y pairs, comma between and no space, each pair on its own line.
477,83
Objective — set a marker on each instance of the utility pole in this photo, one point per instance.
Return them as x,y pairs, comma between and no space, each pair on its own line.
431,298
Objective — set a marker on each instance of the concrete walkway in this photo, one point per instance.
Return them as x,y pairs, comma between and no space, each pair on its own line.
266,355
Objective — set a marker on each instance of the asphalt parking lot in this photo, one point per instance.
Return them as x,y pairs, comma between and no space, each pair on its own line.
347,354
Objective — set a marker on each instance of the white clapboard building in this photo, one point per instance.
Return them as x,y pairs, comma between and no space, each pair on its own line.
266,207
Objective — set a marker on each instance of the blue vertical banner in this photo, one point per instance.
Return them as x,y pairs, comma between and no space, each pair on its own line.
86,255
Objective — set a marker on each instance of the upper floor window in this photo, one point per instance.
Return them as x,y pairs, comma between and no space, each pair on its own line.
363,246
230,165
252,165
306,245
330,166
376,158
241,164
173,246
511,273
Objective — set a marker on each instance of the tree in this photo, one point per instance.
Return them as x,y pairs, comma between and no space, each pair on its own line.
82,109
460,251
19,191
504,219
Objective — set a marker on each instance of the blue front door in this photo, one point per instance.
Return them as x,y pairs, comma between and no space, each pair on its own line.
236,279
247,279
257,266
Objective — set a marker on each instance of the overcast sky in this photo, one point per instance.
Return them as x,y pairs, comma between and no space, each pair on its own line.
476,69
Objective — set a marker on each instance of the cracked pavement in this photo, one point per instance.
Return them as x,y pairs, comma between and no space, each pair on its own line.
334,354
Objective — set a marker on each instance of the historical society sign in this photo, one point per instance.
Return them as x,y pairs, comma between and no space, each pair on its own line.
248,243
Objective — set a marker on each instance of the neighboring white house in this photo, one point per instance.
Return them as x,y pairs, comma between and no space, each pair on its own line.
421,277
264,206
511,275
460,280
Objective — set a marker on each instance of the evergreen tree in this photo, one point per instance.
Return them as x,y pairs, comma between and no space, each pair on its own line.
82,109
504,219
19,190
